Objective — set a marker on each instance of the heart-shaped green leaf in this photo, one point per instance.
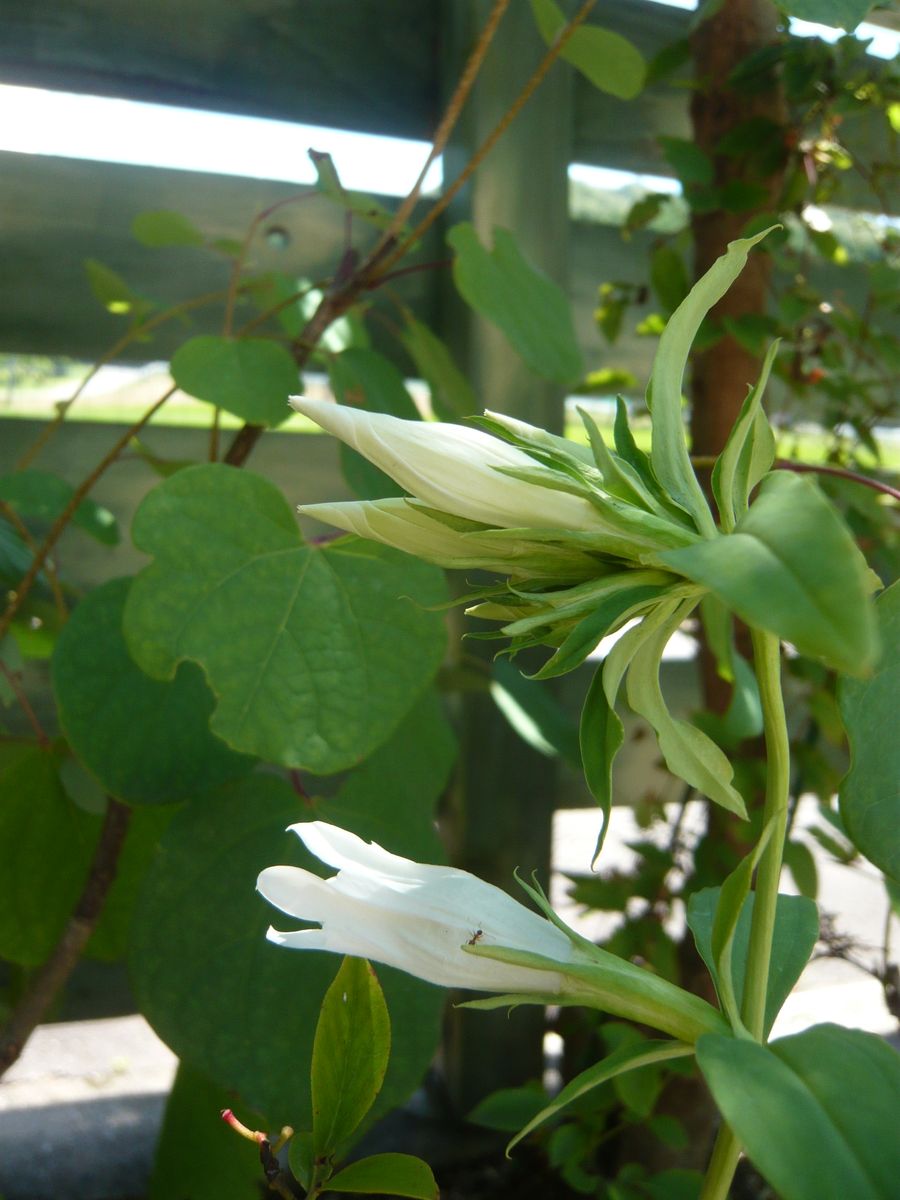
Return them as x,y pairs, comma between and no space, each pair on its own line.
250,377
145,740
333,650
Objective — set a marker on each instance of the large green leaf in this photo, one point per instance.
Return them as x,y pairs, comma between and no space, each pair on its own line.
146,741
609,61
792,568
795,935
669,453
817,1112
870,792
47,846
250,377
232,1005
529,308
198,1157
350,1054
314,653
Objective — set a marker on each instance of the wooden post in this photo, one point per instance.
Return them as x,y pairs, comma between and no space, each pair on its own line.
503,804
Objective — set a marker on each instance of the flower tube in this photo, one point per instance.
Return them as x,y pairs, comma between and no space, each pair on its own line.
453,468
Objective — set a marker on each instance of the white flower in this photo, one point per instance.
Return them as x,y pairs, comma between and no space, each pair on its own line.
410,915
453,468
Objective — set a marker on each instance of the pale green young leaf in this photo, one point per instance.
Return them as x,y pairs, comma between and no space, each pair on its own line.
688,752
388,1174
748,454
619,477
601,734
250,377
365,207
163,227
626,1058
669,454
792,568
609,61
525,304
869,794
324,620
350,1054
817,1112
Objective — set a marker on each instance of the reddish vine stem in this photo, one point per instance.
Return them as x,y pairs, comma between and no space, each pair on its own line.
24,533
785,464
59,525
25,704
54,972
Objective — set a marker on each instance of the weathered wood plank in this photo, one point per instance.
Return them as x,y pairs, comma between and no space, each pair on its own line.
58,212
354,64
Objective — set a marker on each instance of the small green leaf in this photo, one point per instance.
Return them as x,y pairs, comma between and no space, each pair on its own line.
844,14
627,1058
451,393
146,741
795,936
292,672
387,1175
350,1054
748,454
609,61
792,568
601,735
668,277
44,496
163,227
817,1112
688,752
529,308
112,291
507,1109
687,160
364,207
250,377
669,455
799,860
869,795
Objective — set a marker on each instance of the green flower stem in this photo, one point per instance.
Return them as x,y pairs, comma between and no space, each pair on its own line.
767,659
722,1165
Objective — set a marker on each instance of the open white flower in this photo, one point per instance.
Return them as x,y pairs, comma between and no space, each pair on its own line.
450,928
410,915
453,468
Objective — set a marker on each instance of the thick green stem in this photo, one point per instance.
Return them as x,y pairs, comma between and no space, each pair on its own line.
767,659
